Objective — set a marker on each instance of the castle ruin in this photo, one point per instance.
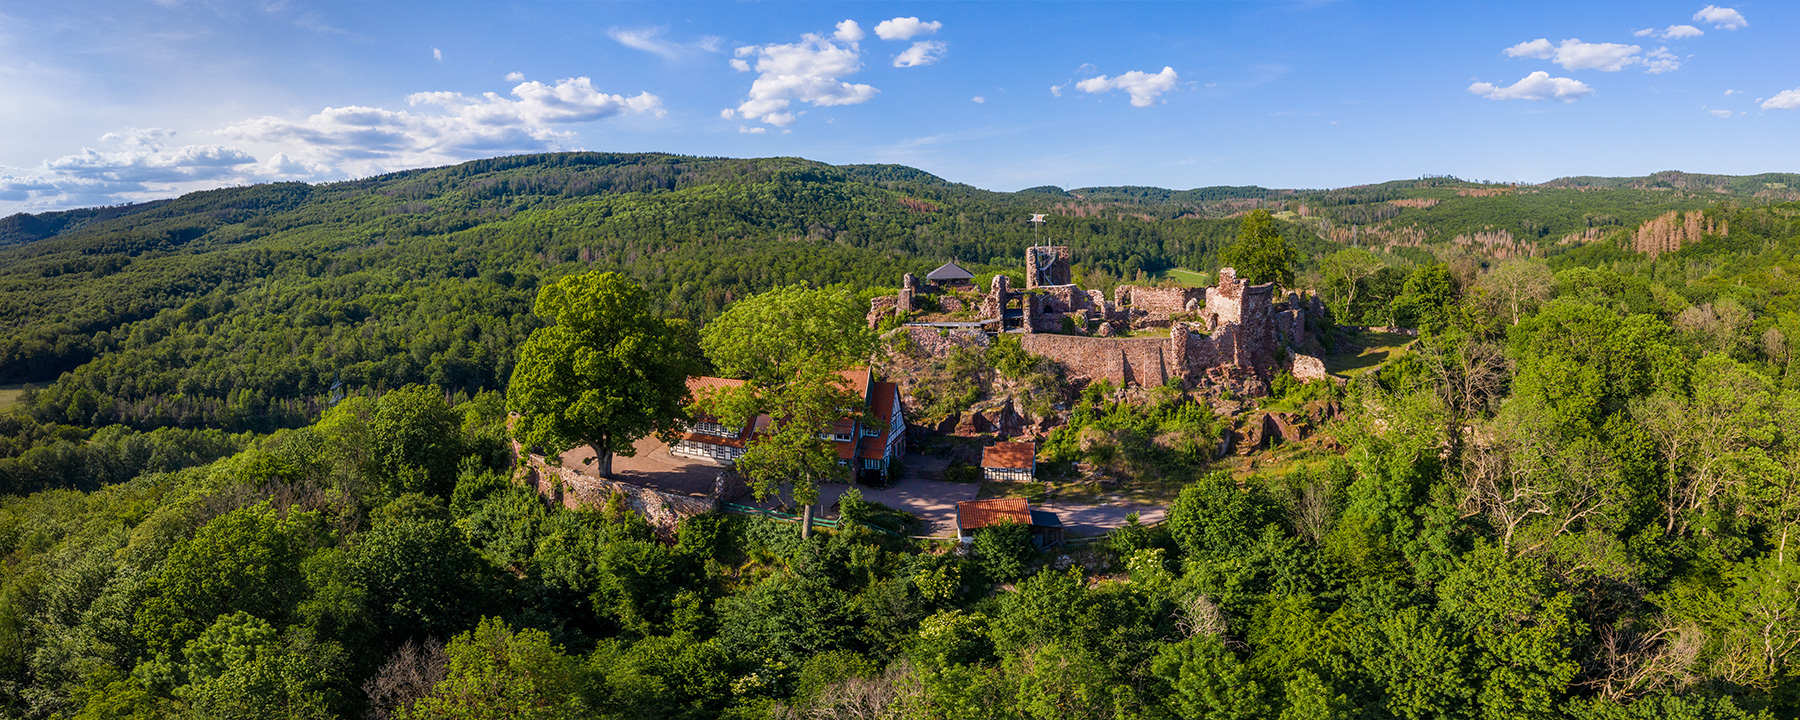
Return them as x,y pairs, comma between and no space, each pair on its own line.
1234,335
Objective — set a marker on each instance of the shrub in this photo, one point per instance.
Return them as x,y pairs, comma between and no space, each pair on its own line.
1004,548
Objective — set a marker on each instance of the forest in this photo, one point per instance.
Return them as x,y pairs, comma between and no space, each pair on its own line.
262,469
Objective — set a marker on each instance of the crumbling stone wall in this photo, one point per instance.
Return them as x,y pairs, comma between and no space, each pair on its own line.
664,511
1159,300
1144,361
993,305
909,286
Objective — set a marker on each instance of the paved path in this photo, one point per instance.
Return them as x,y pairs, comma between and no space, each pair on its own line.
932,501
1082,520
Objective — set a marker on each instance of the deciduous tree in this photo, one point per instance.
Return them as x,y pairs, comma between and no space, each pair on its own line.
606,374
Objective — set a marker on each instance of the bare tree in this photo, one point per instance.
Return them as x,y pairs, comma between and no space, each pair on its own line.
1519,285
1631,661
409,674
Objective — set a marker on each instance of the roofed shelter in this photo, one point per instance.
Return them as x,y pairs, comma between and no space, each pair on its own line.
1009,461
973,515
950,274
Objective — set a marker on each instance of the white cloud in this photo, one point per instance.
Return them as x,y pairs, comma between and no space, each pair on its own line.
747,130
1056,91
848,32
978,100
1143,87
923,52
906,28
364,140
808,71
651,40
515,77
1719,113
1659,61
129,165
1784,100
1573,54
1536,86
437,54
1729,93
1721,18
1674,32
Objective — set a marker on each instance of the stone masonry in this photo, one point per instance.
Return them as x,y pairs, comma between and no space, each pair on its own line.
1046,266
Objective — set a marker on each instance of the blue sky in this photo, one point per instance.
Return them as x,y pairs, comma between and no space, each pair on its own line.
108,102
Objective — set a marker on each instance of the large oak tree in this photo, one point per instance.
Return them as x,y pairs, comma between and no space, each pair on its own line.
606,374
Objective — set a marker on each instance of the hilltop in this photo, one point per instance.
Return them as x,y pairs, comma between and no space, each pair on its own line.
241,308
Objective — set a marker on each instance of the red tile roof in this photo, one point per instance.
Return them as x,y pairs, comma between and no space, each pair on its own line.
696,383
857,380
977,514
1010,455
886,394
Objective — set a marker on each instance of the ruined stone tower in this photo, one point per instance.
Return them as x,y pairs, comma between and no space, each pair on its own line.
1242,318
1046,266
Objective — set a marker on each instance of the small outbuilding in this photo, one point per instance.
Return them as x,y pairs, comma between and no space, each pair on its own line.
950,274
1009,461
973,515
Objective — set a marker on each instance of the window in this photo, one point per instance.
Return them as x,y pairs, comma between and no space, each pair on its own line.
871,432
871,464
713,429
844,437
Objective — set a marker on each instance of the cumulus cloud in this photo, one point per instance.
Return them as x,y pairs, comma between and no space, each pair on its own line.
441,127
1784,100
437,54
978,100
1721,18
1056,91
1143,87
651,40
1719,113
135,164
906,28
447,127
1573,54
848,32
747,130
1536,86
923,52
515,77
810,71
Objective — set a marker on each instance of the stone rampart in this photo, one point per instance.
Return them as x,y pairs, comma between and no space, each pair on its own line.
1165,300
663,510
1144,361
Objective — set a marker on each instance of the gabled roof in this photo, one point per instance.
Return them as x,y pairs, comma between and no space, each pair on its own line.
1010,455
886,394
949,271
977,514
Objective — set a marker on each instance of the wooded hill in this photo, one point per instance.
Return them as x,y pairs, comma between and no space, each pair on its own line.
242,308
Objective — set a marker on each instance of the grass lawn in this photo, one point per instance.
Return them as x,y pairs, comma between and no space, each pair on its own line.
1378,348
1185,277
9,396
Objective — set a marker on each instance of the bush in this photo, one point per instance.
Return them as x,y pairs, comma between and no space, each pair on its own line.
1004,548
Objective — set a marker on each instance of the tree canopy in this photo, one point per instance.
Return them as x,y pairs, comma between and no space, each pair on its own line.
607,373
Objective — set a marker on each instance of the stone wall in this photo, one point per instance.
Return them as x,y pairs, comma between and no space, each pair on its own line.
1046,266
1164,300
664,511
1144,361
